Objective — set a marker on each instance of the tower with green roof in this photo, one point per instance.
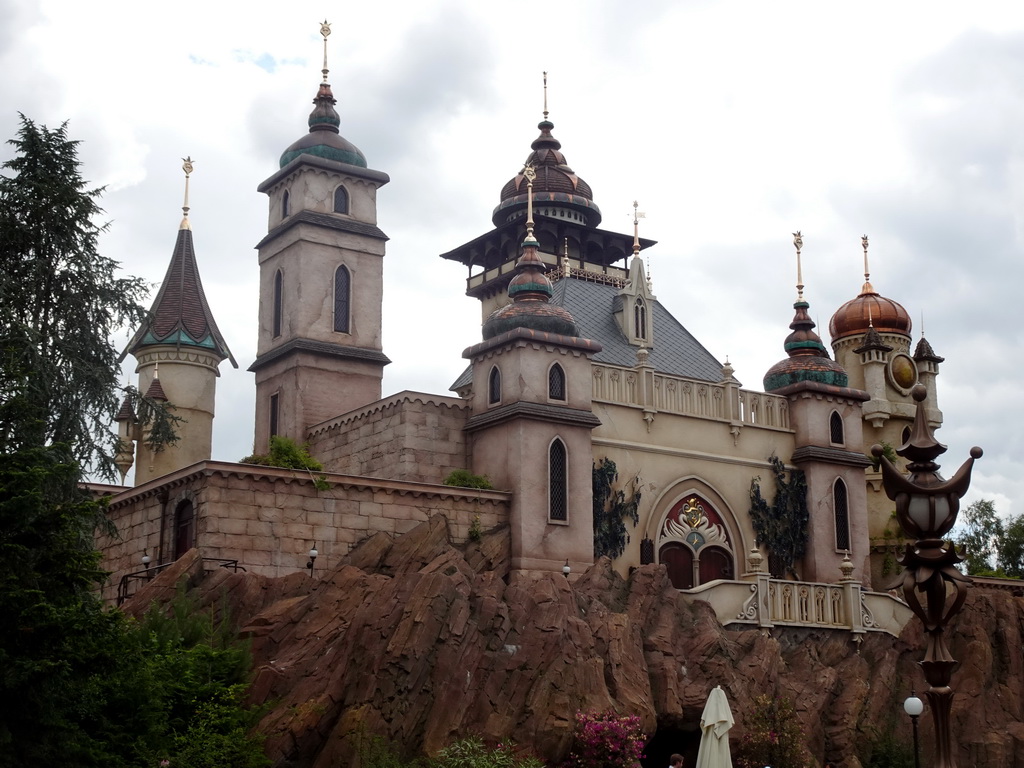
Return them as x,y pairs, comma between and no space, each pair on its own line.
319,351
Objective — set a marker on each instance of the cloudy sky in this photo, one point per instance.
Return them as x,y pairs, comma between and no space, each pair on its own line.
733,124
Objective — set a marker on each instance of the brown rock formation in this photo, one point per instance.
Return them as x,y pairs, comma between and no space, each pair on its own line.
421,643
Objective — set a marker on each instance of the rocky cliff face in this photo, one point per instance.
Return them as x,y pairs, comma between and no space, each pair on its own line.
421,643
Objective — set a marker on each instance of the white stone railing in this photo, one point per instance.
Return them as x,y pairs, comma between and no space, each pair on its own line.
765,602
641,387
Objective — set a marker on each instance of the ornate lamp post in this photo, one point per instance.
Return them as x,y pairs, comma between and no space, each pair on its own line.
926,507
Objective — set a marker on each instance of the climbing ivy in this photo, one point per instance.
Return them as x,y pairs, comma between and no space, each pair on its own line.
611,508
782,525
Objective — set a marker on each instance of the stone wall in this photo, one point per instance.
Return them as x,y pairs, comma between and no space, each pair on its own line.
268,519
409,436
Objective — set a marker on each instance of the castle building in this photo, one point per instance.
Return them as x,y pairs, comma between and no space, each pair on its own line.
577,365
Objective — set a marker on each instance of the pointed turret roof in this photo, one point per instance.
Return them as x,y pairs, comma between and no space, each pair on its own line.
180,314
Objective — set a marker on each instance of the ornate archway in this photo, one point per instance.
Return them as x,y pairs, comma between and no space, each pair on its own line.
694,544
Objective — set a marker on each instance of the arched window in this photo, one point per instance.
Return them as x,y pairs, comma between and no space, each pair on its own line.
278,302
342,292
835,429
284,205
494,386
640,318
906,435
556,382
842,515
184,528
558,482
340,200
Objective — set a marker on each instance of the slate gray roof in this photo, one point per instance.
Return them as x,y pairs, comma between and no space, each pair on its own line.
675,350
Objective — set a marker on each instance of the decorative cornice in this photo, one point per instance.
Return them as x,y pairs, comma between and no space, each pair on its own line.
287,476
829,390
557,414
527,335
394,401
323,163
829,456
326,221
324,348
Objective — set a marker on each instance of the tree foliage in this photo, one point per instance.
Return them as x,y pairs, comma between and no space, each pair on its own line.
611,510
286,453
773,736
980,535
781,526
1011,548
60,302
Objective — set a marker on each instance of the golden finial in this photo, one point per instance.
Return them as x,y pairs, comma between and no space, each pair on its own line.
545,95
325,30
867,273
530,175
798,242
186,166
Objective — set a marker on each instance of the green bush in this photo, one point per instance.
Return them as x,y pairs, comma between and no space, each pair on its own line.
285,453
471,752
463,478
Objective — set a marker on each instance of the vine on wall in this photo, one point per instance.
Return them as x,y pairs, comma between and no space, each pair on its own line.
611,509
782,525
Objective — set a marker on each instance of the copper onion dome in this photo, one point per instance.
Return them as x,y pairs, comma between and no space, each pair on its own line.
808,359
556,183
530,291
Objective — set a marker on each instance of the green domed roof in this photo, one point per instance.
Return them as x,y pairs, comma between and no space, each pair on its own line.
808,359
324,139
530,291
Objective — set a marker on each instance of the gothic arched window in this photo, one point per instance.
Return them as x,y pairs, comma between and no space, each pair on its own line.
284,205
842,515
278,302
556,382
558,481
835,429
494,386
340,200
640,318
342,292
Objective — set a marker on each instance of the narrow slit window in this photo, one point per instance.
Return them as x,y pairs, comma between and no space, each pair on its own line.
274,413
558,485
342,294
842,515
494,386
285,205
278,301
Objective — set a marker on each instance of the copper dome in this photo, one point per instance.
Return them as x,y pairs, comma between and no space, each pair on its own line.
556,182
867,310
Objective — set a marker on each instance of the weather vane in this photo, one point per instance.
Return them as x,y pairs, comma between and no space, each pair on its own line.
798,242
186,166
325,30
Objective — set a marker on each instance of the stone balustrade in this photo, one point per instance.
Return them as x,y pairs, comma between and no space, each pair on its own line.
641,387
766,602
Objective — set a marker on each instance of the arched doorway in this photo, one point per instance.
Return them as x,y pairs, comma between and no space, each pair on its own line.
694,544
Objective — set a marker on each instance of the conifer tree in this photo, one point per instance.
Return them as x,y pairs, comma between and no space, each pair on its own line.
60,302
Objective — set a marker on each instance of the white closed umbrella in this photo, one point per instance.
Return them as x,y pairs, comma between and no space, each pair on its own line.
714,739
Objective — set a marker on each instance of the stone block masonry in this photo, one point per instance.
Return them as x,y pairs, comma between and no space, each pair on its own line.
269,518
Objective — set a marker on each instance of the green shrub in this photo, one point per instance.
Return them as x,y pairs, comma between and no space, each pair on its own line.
285,453
463,478
471,752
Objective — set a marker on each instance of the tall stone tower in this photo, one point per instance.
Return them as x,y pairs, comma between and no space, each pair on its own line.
825,413
319,352
532,417
871,338
178,349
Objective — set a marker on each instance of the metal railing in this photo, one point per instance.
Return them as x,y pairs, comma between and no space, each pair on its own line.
148,574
